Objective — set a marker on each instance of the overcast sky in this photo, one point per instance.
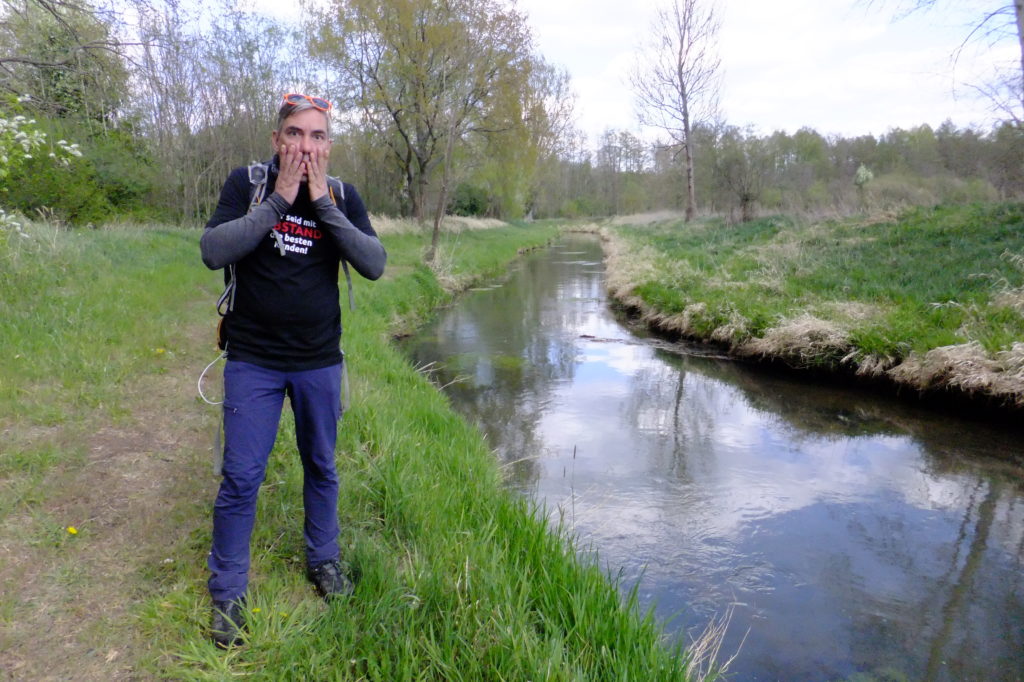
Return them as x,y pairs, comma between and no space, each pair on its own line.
837,66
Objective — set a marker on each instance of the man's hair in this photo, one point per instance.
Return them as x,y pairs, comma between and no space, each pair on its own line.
287,110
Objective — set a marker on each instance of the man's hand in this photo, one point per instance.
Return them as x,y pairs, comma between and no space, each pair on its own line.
289,173
296,167
316,172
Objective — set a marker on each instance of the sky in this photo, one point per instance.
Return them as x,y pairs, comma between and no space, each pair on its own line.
838,66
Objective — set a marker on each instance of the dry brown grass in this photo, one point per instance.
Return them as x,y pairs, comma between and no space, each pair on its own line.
384,225
854,311
640,219
1011,298
803,340
968,368
626,267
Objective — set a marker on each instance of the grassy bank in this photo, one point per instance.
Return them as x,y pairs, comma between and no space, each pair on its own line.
458,579
933,300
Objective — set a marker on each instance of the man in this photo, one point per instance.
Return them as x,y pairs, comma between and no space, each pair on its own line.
282,336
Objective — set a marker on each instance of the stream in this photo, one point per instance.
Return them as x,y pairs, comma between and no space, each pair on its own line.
845,534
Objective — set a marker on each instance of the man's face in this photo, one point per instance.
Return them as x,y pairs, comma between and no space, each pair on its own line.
305,130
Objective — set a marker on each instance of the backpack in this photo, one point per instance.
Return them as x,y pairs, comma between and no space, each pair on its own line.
258,173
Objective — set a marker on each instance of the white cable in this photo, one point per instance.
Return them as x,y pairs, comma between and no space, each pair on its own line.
199,385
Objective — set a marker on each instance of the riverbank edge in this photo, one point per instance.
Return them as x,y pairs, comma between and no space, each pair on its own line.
961,378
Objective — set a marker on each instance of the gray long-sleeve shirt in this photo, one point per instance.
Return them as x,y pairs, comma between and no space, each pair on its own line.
228,242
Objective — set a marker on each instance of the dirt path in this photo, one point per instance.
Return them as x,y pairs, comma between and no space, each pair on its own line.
69,602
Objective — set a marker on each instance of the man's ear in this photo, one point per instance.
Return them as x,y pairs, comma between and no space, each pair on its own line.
273,139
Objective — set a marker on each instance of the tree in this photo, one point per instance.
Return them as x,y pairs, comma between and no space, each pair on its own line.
1006,88
20,141
422,74
861,179
521,163
64,54
676,79
742,166
206,90
67,61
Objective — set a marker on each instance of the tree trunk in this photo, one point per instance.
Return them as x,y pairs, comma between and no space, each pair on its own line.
417,197
746,208
1018,7
691,193
442,196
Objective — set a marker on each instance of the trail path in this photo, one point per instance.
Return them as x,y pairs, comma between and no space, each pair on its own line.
70,602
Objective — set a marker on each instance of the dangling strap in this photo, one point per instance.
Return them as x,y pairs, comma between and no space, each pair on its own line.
228,297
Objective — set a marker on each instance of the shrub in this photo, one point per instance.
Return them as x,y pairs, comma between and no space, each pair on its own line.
468,200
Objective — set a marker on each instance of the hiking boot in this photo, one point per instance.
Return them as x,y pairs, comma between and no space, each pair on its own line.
228,622
331,579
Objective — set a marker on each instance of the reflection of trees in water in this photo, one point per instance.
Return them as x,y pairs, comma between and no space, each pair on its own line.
815,409
805,407
950,619
955,642
508,348
944,624
894,590
675,423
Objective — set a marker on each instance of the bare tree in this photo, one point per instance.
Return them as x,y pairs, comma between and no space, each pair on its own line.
1005,90
676,78
206,88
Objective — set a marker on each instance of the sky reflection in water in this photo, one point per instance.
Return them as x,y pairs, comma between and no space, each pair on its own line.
848,533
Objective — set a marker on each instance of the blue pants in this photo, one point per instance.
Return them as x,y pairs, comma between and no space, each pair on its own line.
253,398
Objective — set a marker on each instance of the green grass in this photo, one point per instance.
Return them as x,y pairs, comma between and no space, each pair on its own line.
460,580
81,311
931,278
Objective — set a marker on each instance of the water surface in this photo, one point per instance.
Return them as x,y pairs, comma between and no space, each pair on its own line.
849,535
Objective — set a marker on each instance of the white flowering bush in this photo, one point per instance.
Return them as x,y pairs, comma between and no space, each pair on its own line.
20,140
10,223
863,176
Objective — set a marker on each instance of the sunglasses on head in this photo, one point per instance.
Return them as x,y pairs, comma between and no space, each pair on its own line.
320,103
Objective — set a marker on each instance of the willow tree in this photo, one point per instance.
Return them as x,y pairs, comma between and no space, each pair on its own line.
676,79
423,75
528,130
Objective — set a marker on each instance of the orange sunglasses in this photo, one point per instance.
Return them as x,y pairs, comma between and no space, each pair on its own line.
320,103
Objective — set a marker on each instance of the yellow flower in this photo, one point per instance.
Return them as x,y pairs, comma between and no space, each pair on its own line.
72,530
283,614
256,610
159,351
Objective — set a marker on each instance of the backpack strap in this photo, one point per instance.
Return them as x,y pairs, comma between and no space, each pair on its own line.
258,189
339,200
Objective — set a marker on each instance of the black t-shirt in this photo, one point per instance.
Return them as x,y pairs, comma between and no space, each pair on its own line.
286,313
